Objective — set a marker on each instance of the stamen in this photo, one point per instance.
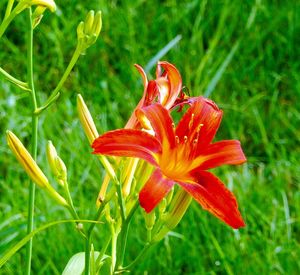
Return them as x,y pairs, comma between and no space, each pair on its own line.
191,121
198,131
177,139
185,138
173,125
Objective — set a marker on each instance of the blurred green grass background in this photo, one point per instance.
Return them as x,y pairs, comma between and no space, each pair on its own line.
251,72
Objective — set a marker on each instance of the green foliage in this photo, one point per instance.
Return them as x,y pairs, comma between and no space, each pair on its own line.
258,90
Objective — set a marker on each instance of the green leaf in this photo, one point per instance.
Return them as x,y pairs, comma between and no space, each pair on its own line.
21,243
76,264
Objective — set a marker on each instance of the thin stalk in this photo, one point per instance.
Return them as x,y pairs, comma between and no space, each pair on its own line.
124,235
55,93
9,8
19,83
30,81
5,23
121,202
89,238
113,249
139,257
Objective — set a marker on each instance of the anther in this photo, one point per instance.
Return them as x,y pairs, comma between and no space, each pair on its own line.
185,138
191,121
195,141
173,125
177,139
199,127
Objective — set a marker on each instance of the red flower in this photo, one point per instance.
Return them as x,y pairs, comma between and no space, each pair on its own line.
166,88
181,155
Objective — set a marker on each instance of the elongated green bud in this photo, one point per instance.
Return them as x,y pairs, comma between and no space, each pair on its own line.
57,165
88,23
178,207
149,219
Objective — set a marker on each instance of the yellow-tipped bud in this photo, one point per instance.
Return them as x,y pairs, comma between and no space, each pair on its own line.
80,30
178,207
97,26
26,160
89,30
57,165
23,4
31,167
86,120
88,23
91,132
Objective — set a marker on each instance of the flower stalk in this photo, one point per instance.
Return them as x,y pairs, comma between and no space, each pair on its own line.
31,202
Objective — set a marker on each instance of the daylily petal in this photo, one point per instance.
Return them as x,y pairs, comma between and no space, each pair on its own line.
219,153
155,189
128,143
143,74
161,123
200,122
175,83
133,122
214,197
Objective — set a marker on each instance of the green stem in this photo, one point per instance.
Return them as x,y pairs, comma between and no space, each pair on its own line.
113,249
124,235
139,257
121,202
89,238
8,8
55,93
5,23
19,83
30,220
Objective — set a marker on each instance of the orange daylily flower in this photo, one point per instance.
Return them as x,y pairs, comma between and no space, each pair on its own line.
165,88
180,155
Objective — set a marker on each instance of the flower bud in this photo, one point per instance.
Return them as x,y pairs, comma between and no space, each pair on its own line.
31,167
89,30
57,165
149,219
88,23
91,132
178,207
80,30
26,160
97,26
86,120
24,4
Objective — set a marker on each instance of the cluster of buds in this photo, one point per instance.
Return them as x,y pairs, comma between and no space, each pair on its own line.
89,30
